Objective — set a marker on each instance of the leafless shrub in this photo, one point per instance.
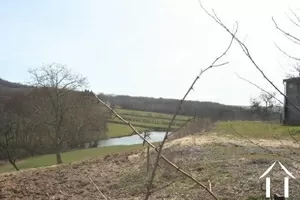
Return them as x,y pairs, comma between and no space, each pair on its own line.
198,126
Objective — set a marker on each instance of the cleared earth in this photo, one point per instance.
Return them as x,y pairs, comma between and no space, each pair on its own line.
232,165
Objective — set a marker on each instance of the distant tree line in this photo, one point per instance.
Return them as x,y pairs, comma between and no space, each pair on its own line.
213,111
51,116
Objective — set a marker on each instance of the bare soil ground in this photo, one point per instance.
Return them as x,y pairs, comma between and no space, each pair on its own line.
232,165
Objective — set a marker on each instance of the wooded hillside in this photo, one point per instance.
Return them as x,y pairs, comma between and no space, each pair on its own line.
212,110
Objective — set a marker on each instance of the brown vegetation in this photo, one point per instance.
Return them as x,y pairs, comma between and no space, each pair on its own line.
232,165
51,117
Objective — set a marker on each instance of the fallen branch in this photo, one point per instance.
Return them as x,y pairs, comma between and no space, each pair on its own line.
97,188
165,186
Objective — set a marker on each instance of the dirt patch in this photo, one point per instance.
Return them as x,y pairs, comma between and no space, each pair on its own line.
231,165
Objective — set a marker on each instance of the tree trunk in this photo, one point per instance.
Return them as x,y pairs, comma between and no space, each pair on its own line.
13,163
11,160
58,158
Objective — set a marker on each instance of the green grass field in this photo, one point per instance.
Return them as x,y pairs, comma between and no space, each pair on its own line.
149,125
151,114
114,130
119,130
258,129
246,128
68,157
141,118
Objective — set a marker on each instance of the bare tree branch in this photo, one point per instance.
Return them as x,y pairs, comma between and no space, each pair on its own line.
155,148
297,141
288,35
293,21
293,110
246,52
214,64
183,125
259,88
288,55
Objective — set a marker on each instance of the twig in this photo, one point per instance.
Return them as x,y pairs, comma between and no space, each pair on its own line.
266,149
285,145
209,185
165,186
288,55
214,64
97,188
293,110
155,148
288,35
297,141
260,88
246,52
183,125
295,15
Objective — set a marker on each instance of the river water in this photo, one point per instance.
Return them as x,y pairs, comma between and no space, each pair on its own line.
154,136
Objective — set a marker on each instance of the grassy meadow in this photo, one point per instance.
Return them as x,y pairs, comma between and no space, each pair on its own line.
68,157
119,130
114,130
149,114
249,129
257,129
142,121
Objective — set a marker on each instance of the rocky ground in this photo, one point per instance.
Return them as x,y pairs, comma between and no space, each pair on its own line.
231,165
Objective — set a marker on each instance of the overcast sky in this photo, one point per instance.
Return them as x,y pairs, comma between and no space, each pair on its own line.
148,48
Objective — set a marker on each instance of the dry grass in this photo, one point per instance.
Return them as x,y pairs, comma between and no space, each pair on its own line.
231,165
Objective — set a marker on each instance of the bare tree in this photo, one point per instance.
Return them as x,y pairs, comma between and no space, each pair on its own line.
295,72
14,125
88,121
295,20
264,105
8,137
56,82
255,106
269,103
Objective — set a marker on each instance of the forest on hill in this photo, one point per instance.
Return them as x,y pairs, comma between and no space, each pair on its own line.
212,110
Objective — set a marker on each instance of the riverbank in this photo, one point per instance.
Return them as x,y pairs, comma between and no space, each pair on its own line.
68,157
118,130
250,129
105,147
232,164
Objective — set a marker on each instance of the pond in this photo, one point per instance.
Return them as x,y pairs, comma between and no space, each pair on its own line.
155,136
